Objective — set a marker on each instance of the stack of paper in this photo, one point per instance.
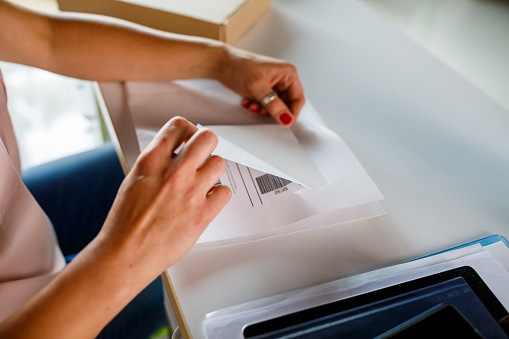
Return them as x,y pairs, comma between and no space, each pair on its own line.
283,180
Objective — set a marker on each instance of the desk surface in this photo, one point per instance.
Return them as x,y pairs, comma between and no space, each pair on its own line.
435,145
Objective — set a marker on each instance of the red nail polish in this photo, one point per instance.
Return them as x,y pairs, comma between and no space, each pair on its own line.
245,103
255,109
285,118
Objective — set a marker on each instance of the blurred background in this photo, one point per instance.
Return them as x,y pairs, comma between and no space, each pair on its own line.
55,116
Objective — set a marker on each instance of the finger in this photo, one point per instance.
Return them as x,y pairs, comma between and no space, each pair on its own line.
279,111
254,107
209,173
198,148
287,106
167,140
176,131
264,112
246,102
218,197
296,106
293,96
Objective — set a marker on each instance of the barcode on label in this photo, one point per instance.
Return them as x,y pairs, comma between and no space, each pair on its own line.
268,183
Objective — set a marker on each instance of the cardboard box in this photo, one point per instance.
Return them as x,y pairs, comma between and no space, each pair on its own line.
224,20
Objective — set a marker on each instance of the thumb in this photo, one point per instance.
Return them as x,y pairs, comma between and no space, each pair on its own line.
277,109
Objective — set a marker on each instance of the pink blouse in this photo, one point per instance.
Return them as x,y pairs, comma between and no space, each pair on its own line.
29,252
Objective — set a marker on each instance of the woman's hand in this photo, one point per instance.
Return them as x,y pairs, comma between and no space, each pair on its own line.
168,199
255,77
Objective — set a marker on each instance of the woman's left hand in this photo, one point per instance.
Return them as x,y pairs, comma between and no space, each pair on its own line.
256,77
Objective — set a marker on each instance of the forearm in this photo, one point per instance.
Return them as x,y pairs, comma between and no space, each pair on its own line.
81,300
114,50
101,48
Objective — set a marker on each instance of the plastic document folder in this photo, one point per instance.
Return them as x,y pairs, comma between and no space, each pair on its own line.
283,179
461,292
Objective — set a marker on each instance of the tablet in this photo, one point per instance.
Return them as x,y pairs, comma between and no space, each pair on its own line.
359,305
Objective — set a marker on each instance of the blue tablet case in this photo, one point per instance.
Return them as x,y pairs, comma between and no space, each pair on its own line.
371,314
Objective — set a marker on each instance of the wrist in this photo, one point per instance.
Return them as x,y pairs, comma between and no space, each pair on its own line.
222,62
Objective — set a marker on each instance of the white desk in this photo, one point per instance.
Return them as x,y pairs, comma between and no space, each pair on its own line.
436,146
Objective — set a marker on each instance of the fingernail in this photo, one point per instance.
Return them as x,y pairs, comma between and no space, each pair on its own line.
245,103
255,109
285,118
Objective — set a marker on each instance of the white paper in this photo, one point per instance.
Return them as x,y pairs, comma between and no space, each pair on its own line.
251,188
350,186
331,218
270,149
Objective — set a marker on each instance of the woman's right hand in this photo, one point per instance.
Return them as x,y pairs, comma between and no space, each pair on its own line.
167,200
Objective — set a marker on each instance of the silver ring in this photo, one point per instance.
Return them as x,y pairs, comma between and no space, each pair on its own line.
268,98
